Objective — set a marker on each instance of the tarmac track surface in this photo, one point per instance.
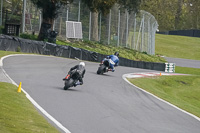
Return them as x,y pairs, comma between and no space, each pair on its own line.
103,104
184,62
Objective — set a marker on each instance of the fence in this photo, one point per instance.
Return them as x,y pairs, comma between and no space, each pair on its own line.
118,28
191,33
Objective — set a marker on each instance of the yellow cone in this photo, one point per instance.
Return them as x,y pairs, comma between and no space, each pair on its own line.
19,88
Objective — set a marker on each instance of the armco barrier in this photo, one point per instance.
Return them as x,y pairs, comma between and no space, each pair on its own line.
191,33
10,43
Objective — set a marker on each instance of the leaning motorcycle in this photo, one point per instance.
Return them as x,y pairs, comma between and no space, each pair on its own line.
104,66
70,80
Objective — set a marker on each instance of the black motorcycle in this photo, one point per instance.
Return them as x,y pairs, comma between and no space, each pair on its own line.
104,66
70,79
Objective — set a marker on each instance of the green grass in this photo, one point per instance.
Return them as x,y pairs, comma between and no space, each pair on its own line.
187,70
182,91
178,46
18,115
4,53
109,49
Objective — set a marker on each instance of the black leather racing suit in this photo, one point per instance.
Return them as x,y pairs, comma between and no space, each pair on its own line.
80,71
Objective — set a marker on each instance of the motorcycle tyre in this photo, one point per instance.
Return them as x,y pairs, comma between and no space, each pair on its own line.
68,83
101,69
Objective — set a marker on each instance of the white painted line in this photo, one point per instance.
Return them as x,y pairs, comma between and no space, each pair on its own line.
32,100
125,78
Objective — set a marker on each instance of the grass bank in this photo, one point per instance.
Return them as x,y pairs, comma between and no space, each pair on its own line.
109,49
18,115
178,46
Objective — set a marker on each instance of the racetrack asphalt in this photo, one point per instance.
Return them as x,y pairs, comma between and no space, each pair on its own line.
103,104
184,62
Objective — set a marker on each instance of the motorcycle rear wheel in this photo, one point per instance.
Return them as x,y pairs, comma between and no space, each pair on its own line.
101,69
68,83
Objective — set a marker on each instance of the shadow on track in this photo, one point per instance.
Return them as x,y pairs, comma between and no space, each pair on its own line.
101,74
70,89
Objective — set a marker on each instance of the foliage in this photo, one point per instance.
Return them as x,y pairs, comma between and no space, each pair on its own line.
50,11
28,36
1,29
108,50
174,14
18,49
99,5
130,5
105,5
50,7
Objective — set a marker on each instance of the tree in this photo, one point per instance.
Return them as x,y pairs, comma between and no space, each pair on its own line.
174,14
49,13
129,5
104,6
178,13
96,6
163,11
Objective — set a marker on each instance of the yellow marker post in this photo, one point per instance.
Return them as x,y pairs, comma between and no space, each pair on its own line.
19,88
160,74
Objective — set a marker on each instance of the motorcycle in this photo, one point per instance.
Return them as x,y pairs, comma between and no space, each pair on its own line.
70,80
104,66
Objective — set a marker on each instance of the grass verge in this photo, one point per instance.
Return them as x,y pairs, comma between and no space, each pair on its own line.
18,115
110,49
178,46
4,53
182,91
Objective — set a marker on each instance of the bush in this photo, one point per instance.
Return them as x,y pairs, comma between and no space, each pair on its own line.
1,29
18,49
28,36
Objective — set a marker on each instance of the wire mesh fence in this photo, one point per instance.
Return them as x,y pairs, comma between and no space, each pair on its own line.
118,28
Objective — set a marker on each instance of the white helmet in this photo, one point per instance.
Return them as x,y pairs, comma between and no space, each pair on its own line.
82,63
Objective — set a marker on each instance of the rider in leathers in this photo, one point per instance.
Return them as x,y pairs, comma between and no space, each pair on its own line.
80,71
114,61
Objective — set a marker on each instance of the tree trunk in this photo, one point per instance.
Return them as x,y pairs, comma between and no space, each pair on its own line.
46,27
178,14
94,26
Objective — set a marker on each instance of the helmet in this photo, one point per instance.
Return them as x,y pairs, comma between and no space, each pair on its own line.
117,54
82,63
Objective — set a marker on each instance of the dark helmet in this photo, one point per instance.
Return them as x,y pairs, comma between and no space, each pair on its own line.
117,54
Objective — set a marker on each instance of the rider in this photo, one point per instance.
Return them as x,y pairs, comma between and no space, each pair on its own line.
114,61
80,69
